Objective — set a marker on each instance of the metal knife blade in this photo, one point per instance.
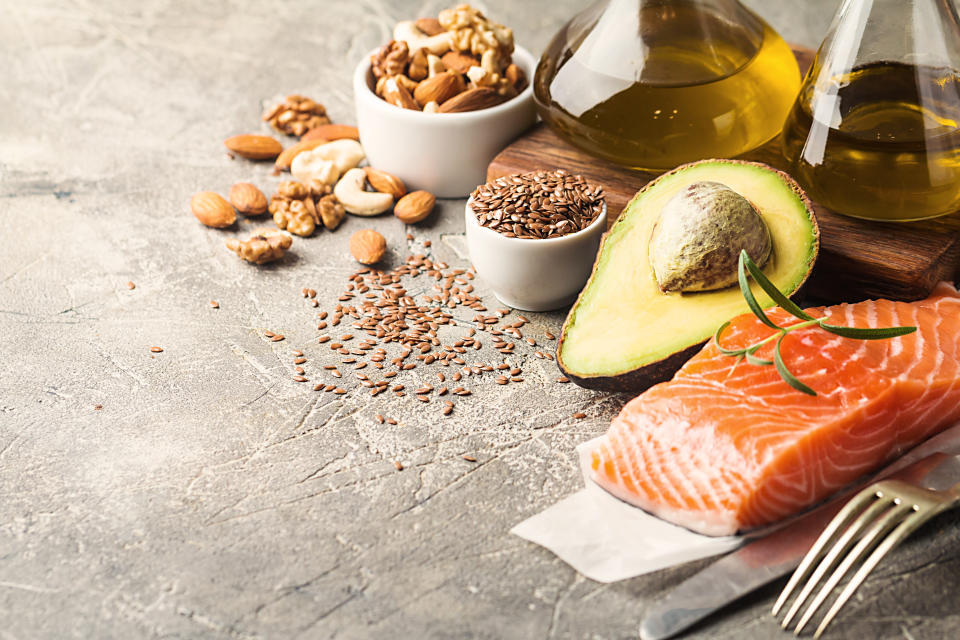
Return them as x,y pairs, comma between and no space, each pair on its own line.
777,554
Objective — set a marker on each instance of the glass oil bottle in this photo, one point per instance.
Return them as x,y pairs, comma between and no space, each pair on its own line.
651,84
875,131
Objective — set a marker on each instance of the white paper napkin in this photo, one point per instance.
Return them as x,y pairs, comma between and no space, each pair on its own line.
607,540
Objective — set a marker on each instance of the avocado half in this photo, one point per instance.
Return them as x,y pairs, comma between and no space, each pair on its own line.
623,333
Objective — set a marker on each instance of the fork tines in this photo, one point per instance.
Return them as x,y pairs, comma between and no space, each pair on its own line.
864,531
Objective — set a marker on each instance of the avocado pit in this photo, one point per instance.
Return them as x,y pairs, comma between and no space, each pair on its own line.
698,237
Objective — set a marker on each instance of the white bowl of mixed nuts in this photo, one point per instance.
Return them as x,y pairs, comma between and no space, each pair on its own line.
440,100
534,237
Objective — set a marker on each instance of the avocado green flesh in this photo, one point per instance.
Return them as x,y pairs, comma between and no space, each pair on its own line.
622,322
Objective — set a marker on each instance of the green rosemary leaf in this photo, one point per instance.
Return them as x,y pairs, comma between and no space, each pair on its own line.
881,333
748,295
788,377
771,289
752,359
726,352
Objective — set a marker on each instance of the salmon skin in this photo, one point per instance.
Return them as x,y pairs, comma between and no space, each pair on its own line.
721,449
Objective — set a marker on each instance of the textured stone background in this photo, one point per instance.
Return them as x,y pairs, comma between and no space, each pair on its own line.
212,496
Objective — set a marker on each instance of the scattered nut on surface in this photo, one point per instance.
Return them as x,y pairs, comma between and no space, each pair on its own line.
331,132
248,199
351,192
254,147
301,207
296,115
212,210
285,159
367,246
385,182
414,207
264,245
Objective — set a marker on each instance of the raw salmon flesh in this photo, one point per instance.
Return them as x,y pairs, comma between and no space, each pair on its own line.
722,448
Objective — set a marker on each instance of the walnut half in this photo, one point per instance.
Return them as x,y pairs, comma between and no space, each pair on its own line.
264,245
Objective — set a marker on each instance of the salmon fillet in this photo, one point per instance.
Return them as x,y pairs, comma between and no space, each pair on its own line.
720,449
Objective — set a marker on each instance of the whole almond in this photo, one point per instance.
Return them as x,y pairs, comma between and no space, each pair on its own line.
368,246
471,100
385,182
331,132
459,61
429,26
247,199
254,147
212,210
414,207
285,159
439,88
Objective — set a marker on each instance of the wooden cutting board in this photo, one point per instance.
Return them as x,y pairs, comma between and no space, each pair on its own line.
858,259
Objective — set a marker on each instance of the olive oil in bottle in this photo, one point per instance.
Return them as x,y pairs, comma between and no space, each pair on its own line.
880,142
652,84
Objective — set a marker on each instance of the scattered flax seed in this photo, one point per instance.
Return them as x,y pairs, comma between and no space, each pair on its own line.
391,421
156,349
214,304
299,379
318,387
300,360
447,410
501,380
468,458
269,334
360,365
330,387
549,336
579,415
379,418
449,403
423,398
427,243
442,391
336,374
339,391
516,379
131,286
563,379
277,338
425,389
323,339
322,315
503,366
299,370
398,465
515,371
440,376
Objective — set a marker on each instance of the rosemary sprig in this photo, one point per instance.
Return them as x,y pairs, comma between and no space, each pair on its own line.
746,267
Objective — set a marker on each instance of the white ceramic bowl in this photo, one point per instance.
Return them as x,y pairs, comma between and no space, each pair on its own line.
445,153
534,275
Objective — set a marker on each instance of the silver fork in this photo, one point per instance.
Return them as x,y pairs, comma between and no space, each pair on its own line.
875,521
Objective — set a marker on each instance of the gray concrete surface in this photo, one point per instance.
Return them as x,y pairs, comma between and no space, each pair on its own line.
212,496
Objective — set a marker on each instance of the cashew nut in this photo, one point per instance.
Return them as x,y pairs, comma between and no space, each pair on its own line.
435,65
416,39
307,166
356,200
